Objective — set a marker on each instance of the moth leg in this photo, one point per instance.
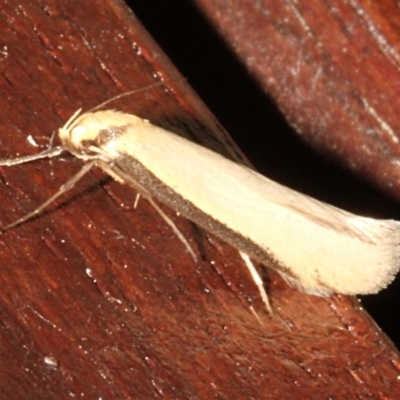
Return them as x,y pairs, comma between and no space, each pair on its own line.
48,153
257,280
64,188
177,232
137,198
122,177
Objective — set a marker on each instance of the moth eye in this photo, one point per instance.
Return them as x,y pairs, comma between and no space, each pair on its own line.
87,143
104,136
112,132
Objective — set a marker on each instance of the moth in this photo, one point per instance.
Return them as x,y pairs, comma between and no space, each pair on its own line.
316,247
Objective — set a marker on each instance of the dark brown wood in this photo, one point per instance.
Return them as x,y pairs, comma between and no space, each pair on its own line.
100,300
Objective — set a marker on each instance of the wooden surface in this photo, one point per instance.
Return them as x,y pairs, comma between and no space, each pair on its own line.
333,69
100,300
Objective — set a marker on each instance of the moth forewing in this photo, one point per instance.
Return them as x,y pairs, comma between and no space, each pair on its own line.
320,248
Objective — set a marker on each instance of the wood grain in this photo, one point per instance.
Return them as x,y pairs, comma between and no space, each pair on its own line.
100,300
332,68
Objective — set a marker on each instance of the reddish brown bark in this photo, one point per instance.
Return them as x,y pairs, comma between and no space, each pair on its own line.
100,300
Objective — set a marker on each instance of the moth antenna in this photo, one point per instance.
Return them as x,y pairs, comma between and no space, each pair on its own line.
63,189
134,91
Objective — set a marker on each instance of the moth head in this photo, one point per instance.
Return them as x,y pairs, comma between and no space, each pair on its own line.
92,135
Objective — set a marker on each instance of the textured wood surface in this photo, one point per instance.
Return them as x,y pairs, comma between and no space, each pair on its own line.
100,300
333,68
